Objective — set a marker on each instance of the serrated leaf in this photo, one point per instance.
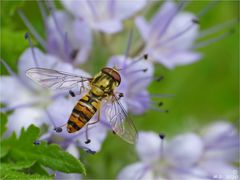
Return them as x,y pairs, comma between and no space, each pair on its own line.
17,165
51,156
6,145
37,168
11,174
16,171
3,122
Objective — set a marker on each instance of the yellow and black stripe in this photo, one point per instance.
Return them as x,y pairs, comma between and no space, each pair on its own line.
83,111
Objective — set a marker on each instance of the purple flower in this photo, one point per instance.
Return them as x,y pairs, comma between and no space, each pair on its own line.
170,35
68,38
72,42
29,101
136,76
169,38
105,16
186,156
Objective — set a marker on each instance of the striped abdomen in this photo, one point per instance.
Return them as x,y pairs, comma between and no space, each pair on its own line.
83,111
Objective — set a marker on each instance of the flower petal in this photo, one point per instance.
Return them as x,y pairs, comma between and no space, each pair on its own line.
139,102
13,93
79,38
148,146
96,133
124,9
108,26
219,170
136,171
179,24
143,27
184,150
222,141
105,16
179,58
190,173
26,61
24,118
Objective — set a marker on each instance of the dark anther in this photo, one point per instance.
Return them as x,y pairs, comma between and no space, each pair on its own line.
145,56
90,151
26,36
159,78
167,111
145,70
74,53
196,21
87,141
114,132
121,95
71,93
162,136
37,142
160,104
58,129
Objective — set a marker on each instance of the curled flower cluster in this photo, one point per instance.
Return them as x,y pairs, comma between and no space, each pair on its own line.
167,39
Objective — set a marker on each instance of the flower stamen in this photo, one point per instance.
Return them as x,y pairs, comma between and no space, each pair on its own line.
11,108
217,28
10,71
42,10
27,36
213,40
32,29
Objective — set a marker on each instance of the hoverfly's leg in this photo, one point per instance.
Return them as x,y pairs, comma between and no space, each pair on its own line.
98,120
82,87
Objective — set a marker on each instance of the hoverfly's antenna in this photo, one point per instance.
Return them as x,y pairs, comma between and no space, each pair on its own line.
27,37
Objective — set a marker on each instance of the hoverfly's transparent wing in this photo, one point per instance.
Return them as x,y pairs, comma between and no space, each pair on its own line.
54,79
120,122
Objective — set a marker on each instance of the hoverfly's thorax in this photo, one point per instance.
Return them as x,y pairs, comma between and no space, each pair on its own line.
105,82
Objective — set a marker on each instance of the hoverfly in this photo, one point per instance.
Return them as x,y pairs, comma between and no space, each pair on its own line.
101,88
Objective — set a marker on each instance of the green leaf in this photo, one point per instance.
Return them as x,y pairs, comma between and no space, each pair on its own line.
12,174
3,123
51,156
17,166
38,168
16,171
12,45
6,145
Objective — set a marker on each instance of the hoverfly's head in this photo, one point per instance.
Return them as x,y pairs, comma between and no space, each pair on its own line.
113,72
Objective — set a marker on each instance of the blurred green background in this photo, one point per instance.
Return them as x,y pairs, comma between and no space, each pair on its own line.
203,92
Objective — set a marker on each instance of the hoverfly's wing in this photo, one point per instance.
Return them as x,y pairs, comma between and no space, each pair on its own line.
120,122
54,79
